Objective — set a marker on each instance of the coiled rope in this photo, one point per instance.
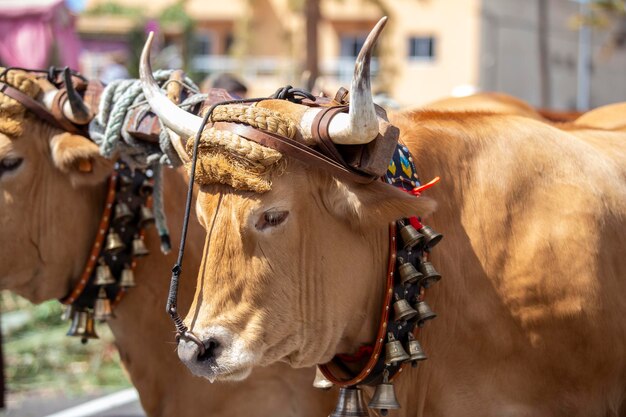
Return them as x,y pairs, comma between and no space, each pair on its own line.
107,131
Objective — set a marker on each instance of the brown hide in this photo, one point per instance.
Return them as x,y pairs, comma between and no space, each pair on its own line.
531,307
486,102
46,201
530,320
611,116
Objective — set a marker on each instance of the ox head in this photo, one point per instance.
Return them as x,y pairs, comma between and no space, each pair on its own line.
51,197
295,273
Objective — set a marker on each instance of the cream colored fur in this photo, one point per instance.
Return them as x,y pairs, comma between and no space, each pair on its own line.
531,307
49,216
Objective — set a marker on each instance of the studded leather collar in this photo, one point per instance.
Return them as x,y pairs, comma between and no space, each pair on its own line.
118,242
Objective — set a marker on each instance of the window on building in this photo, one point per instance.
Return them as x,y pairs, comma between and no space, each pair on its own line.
203,44
422,47
351,45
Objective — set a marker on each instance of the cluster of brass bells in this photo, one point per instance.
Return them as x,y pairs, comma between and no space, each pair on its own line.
103,274
102,308
83,325
408,274
425,274
350,403
128,277
416,353
412,237
146,188
394,351
114,244
430,274
384,397
424,312
402,309
123,215
146,217
139,247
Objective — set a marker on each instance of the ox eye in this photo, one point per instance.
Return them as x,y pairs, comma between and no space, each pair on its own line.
271,218
10,164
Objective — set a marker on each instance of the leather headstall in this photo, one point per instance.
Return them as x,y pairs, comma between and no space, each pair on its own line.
33,105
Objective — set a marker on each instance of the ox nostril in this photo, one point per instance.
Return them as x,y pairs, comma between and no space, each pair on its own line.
210,348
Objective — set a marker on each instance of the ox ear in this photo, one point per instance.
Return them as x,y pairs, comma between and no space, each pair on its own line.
375,203
80,158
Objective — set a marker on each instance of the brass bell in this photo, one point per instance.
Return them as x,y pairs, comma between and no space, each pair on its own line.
128,277
114,243
139,248
384,397
83,326
102,306
320,380
415,350
408,273
350,403
424,313
402,309
122,214
394,352
146,188
68,312
430,274
431,238
125,181
103,274
410,236
146,217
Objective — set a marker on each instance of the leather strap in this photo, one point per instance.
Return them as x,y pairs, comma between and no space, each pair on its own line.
31,104
92,94
295,150
382,329
57,112
321,135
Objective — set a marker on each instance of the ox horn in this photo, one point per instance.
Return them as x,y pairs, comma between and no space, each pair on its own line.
360,125
74,107
173,117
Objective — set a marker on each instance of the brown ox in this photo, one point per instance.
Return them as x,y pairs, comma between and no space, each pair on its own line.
531,308
611,116
50,213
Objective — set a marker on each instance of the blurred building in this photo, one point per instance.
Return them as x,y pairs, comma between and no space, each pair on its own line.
36,33
430,49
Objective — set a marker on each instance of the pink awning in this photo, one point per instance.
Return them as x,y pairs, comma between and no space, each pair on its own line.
29,28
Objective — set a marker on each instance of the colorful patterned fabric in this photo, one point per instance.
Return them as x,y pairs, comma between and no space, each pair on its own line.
401,172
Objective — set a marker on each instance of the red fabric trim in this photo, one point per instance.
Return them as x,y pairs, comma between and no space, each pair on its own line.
418,190
415,222
363,351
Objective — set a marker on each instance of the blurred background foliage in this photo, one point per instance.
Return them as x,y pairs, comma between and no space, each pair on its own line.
39,356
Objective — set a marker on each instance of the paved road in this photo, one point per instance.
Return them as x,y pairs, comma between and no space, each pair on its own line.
119,404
